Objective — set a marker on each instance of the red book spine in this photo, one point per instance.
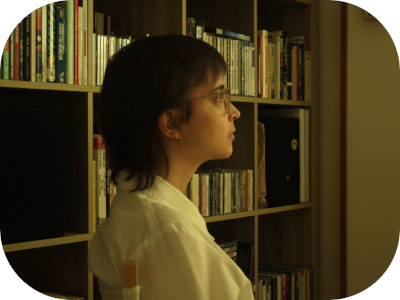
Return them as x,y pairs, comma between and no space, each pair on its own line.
76,44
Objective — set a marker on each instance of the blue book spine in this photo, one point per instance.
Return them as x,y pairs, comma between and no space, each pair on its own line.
60,44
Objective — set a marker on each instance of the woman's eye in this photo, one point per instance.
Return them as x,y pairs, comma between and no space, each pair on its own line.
219,98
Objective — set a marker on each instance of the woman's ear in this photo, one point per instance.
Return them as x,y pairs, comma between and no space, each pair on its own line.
168,122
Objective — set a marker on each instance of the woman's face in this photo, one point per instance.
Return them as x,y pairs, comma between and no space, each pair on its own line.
209,132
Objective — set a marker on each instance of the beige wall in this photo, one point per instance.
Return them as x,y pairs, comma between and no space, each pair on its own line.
373,169
373,150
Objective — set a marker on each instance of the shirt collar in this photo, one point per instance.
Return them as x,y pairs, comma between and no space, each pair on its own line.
164,192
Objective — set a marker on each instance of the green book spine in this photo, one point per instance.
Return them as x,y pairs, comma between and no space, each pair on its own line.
6,63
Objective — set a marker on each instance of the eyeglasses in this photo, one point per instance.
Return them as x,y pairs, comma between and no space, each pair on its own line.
224,96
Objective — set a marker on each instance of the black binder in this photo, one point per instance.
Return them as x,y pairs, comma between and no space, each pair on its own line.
282,161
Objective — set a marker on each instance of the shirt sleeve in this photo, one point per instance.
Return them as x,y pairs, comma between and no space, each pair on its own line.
183,264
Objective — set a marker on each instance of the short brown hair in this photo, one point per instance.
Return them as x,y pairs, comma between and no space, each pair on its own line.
142,80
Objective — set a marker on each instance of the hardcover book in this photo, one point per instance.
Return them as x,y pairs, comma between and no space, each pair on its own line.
60,44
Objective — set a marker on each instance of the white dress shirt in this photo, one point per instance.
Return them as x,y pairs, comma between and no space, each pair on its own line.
165,234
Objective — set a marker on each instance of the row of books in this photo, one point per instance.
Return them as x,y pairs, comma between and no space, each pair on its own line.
222,191
238,52
214,193
104,47
282,282
284,66
49,45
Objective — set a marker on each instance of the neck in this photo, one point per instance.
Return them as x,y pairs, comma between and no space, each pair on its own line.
180,170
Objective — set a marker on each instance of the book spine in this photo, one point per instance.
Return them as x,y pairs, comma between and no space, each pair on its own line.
94,60
21,49
51,60
11,55
39,45
60,44
70,42
16,52
27,47
33,46
191,27
1,66
44,43
80,45
6,62
76,42
101,193
85,42
307,75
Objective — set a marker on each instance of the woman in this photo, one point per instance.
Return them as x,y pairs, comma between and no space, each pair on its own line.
164,111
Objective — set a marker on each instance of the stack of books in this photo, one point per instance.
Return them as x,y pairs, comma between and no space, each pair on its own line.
230,248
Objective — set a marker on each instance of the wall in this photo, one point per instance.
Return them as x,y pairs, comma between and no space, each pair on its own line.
373,170
373,151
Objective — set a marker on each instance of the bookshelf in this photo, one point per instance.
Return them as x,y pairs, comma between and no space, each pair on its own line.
279,235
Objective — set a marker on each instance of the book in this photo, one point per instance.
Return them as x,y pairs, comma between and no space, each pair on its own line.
60,44
70,42
1,66
80,45
16,52
27,48
21,49
191,27
307,75
39,24
99,156
11,55
33,46
6,62
228,33
85,42
262,36
51,51
76,41
297,44
44,43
